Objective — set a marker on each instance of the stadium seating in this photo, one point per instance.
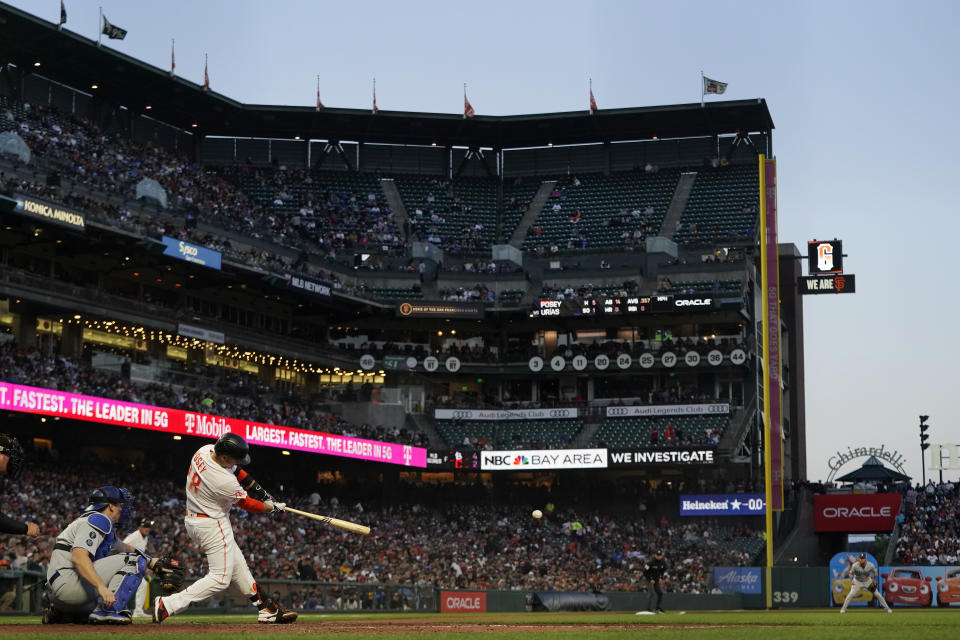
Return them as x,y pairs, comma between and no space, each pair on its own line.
510,297
395,294
928,533
625,433
723,206
700,286
509,434
466,211
606,208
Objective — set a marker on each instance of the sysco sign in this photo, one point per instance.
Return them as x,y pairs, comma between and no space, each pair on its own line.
876,512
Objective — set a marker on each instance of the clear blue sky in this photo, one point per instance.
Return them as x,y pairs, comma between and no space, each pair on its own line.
863,95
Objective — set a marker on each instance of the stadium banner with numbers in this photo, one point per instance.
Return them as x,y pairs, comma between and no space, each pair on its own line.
50,402
720,408
770,286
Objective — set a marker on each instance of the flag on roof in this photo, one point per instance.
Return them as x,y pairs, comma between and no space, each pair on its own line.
593,101
468,111
63,15
173,59
112,31
713,86
319,104
206,75
375,109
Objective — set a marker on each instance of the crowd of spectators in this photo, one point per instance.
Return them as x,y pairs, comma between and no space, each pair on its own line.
241,396
437,543
588,290
929,529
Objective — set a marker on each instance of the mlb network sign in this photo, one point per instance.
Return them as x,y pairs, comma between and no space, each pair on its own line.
543,459
723,504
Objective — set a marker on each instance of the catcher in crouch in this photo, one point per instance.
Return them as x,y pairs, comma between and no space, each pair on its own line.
214,482
86,581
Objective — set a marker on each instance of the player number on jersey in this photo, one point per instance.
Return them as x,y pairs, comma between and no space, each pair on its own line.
195,482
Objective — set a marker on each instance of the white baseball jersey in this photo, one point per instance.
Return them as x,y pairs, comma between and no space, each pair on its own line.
211,489
136,540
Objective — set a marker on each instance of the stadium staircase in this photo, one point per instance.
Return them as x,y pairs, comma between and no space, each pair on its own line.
799,540
533,211
677,204
590,425
419,422
735,435
390,192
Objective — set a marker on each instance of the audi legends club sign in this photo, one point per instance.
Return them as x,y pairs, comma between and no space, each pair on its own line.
875,512
669,410
725,504
543,459
516,414
463,602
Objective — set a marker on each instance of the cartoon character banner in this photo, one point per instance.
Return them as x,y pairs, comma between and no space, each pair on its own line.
901,586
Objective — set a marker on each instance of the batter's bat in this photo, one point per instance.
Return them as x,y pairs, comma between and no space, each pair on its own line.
333,522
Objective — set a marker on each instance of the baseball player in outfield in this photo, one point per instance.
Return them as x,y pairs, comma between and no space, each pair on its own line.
84,581
11,464
863,575
137,539
213,486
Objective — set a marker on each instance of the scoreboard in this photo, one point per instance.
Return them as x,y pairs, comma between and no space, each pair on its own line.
622,305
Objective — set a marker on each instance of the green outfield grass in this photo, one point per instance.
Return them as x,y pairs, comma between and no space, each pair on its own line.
918,624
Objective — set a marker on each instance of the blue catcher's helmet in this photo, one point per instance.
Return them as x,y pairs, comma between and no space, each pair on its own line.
102,496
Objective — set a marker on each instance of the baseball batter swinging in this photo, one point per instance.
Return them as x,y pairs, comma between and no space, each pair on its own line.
214,483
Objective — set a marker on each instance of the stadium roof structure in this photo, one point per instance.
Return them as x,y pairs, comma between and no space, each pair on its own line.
78,62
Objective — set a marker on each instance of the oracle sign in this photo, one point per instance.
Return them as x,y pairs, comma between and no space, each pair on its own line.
875,512
463,602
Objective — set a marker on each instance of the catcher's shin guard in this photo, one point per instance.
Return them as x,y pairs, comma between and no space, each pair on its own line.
132,576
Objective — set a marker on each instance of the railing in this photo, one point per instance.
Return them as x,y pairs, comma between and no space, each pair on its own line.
21,593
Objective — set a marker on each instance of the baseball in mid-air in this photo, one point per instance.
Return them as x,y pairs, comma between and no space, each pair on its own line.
537,514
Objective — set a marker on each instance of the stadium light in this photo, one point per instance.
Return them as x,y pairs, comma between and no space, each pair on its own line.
924,445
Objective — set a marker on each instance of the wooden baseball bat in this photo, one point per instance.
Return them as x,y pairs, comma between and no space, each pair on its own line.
333,522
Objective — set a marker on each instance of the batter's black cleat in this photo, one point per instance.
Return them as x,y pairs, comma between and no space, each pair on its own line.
659,610
274,614
160,612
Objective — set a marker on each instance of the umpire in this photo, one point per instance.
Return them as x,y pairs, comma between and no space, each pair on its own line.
11,464
653,571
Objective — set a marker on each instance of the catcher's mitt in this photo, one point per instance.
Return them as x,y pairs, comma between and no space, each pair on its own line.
170,574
